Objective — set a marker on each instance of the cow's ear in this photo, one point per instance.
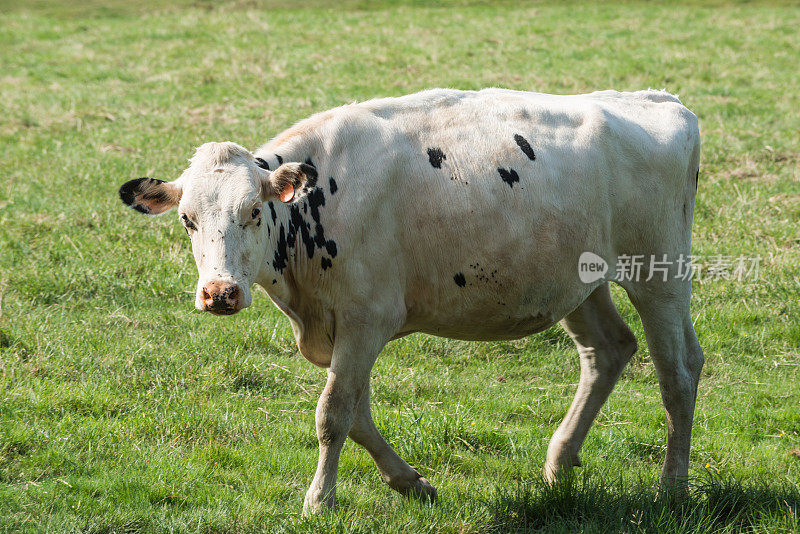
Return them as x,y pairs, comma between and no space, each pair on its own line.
150,196
288,182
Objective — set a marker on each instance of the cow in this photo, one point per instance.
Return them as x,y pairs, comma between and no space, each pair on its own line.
461,214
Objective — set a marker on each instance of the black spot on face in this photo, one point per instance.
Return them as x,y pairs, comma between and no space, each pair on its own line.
279,158
435,156
460,280
262,163
333,186
525,146
272,211
326,262
509,176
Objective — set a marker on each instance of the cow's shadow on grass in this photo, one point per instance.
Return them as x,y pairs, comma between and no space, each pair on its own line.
592,505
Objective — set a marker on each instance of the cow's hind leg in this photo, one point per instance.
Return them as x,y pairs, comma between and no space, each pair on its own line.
394,470
605,344
678,359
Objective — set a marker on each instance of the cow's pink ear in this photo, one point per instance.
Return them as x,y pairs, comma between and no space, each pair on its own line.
287,195
288,181
150,196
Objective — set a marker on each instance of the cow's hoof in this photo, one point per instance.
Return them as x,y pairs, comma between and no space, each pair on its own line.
312,508
424,490
674,489
556,474
418,488
313,504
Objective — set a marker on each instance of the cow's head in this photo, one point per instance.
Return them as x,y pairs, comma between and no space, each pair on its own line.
220,201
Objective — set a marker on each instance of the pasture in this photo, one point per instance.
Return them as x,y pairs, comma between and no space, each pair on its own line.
124,409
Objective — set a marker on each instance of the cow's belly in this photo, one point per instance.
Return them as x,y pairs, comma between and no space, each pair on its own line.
494,325
486,306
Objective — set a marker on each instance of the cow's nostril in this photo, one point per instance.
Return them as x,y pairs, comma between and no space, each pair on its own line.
208,300
221,297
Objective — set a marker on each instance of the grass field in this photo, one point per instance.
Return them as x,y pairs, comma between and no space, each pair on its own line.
124,409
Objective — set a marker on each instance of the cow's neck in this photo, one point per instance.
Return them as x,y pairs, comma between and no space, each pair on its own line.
288,276
299,248
285,261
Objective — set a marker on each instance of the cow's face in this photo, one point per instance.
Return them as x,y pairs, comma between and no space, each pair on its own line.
220,200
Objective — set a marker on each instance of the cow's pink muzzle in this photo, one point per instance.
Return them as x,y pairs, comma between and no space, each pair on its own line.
222,298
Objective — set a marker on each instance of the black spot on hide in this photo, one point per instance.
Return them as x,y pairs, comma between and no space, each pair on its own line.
525,146
281,252
435,156
311,233
509,176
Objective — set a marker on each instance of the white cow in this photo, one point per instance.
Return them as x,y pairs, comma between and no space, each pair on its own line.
460,214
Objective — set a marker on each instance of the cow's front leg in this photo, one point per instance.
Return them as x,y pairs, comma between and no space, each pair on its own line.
400,476
348,380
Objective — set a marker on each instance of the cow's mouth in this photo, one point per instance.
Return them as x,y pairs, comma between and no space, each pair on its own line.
222,311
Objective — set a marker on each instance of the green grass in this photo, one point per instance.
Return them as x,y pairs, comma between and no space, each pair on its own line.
123,409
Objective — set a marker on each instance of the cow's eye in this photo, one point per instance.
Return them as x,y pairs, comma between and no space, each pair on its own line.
187,222
256,213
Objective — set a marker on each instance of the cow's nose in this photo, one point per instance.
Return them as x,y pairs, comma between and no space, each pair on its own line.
222,298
